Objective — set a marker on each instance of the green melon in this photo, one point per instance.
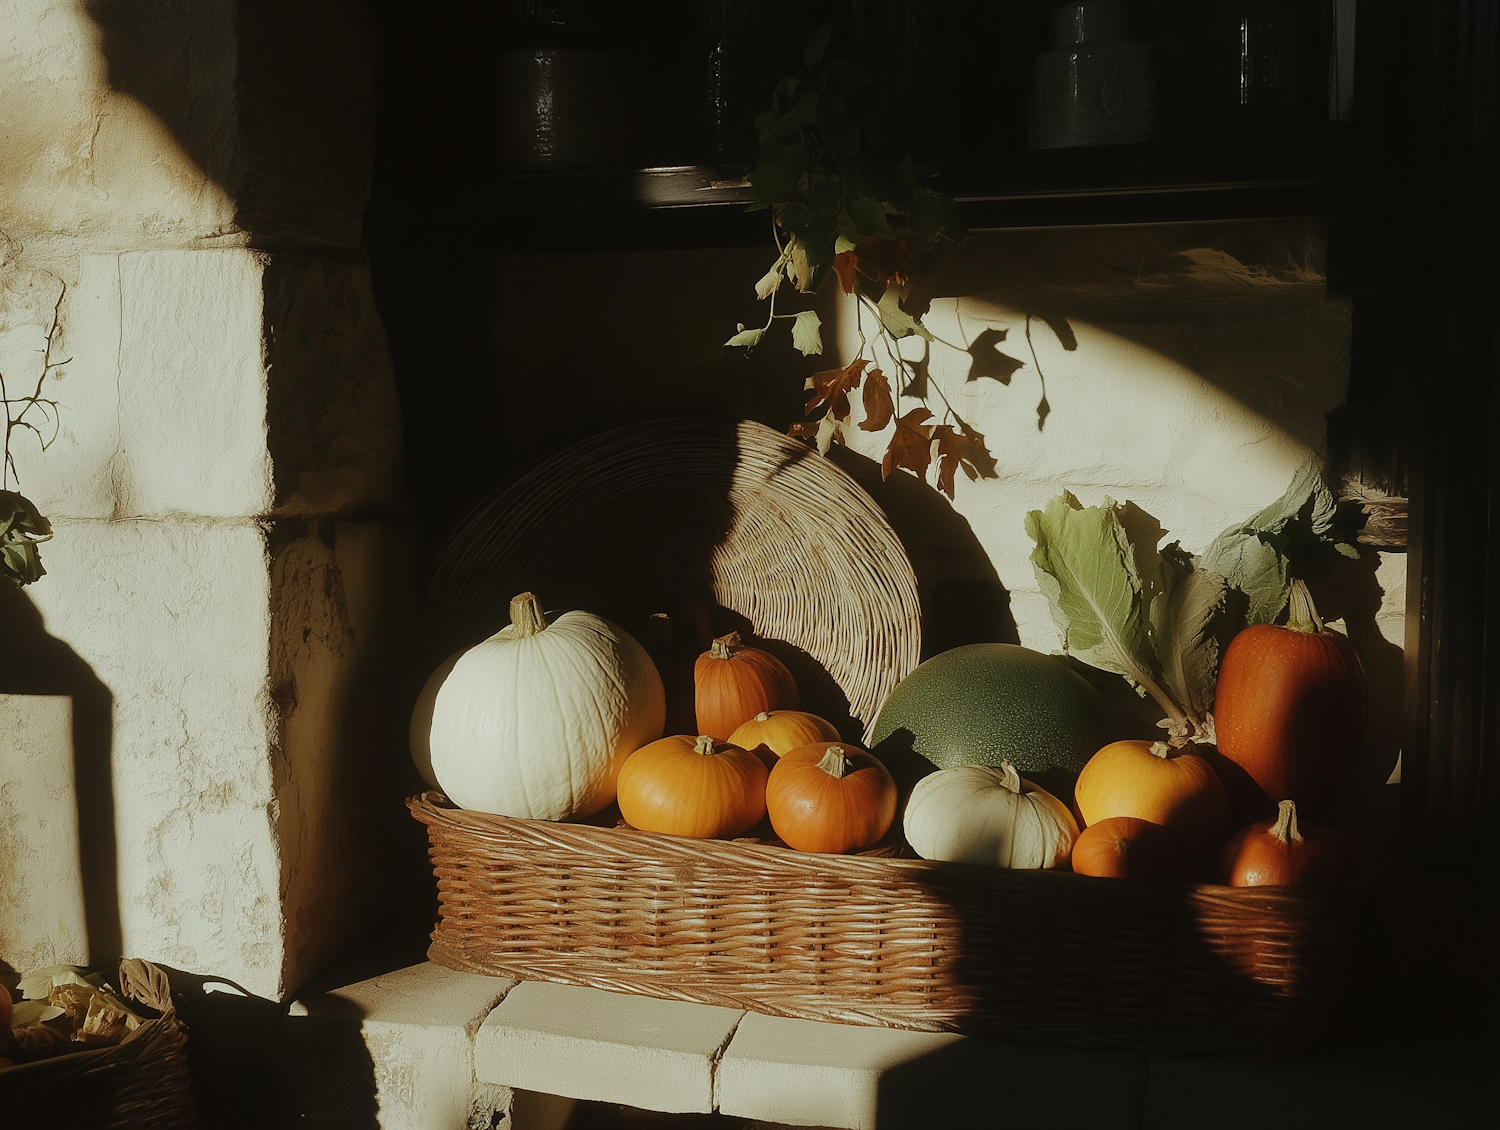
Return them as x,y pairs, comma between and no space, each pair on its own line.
992,702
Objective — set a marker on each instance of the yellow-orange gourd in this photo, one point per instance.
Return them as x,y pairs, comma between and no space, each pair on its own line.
695,787
781,731
1152,781
733,683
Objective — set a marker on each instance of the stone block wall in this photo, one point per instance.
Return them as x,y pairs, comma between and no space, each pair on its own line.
227,598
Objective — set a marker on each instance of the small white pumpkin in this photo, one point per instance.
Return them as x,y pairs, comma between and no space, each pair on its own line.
536,721
976,814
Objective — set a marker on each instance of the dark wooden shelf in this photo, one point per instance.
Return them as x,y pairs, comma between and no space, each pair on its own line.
704,206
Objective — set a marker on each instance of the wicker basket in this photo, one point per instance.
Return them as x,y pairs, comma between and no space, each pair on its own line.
723,526
140,1084
905,943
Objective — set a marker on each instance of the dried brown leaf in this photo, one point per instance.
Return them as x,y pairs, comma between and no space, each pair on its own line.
885,260
879,407
832,387
911,446
846,266
954,450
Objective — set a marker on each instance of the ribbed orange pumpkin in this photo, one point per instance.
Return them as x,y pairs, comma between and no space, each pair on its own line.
830,797
695,787
1152,781
1279,853
1290,707
781,731
733,683
1124,847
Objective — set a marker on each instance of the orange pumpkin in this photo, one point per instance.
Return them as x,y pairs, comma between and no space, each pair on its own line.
733,683
1289,707
779,732
1153,781
1279,853
1124,847
830,797
695,787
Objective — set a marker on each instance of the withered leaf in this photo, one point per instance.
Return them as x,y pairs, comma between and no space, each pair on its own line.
878,405
828,431
885,260
911,446
832,387
846,266
954,450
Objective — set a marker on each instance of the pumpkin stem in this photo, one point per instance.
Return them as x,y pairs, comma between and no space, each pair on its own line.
834,763
1009,778
704,745
762,717
1303,616
725,646
1285,828
1161,749
526,615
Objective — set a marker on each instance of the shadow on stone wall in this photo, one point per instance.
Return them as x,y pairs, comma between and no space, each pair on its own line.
34,662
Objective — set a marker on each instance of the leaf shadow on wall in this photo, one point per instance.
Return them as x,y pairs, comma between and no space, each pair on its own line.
36,663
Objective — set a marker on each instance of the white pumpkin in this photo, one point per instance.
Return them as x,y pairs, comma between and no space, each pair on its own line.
975,814
536,721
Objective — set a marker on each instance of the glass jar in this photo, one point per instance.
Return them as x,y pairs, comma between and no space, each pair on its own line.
1099,86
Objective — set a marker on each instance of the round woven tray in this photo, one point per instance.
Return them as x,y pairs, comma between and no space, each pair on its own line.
681,530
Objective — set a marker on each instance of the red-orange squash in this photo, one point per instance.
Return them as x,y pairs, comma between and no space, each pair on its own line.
1282,853
830,797
1290,707
1153,781
695,787
1124,847
781,731
733,683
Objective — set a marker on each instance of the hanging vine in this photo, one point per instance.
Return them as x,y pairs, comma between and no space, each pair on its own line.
839,208
22,525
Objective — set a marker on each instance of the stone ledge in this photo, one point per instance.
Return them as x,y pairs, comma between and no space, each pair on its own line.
589,1044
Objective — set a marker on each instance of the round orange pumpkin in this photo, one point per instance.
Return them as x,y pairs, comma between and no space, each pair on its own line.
733,683
1124,847
830,797
1289,707
1153,781
781,731
695,787
1280,853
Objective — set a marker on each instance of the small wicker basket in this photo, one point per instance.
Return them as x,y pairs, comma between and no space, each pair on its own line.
140,1084
905,943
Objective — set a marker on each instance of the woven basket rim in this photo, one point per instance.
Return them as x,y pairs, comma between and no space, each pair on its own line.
433,808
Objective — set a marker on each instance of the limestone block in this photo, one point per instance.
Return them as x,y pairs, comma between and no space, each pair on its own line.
419,1025
617,1047
42,918
126,124
173,619
807,1073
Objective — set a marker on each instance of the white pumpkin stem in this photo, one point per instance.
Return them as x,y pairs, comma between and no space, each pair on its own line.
762,717
834,763
526,615
1304,614
1161,750
1285,828
704,745
725,646
1009,778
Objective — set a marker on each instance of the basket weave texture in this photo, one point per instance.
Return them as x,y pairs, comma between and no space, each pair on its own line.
733,524
905,943
140,1084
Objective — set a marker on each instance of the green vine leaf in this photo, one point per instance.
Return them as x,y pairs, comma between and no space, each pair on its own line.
748,338
896,320
806,333
22,527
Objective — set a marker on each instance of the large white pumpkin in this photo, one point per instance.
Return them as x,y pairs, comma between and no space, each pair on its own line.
536,721
977,814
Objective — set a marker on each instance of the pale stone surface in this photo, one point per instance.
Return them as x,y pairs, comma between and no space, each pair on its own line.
418,1025
807,1073
42,918
589,1044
